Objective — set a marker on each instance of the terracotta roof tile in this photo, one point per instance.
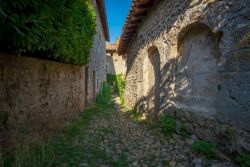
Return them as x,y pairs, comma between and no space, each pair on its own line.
111,47
137,11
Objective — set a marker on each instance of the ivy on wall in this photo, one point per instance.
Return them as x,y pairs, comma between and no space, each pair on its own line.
59,29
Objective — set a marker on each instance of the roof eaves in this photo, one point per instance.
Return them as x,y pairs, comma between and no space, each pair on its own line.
103,14
137,11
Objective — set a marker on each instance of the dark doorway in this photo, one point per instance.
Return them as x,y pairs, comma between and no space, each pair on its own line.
94,84
86,84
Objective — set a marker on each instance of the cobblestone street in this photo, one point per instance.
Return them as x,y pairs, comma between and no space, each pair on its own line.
114,139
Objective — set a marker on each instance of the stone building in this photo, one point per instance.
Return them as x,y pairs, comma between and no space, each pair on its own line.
192,59
96,70
37,95
116,64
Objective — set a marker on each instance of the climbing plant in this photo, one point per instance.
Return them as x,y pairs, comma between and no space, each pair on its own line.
58,29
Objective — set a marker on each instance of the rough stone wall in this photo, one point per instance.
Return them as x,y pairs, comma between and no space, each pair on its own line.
166,27
116,64
37,96
97,60
197,75
110,66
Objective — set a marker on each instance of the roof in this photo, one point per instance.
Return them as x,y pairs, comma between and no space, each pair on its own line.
102,11
137,11
113,47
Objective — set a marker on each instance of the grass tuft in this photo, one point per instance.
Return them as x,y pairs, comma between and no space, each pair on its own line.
244,159
204,148
168,124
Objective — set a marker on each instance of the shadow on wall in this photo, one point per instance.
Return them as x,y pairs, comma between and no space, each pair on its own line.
200,78
189,81
153,102
138,42
189,87
145,97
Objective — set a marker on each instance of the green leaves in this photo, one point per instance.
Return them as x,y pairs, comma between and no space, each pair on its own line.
118,81
205,148
63,28
244,159
104,96
168,124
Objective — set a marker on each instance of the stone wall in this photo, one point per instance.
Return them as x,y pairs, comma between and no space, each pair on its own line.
204,64
116,64
37,96
97,66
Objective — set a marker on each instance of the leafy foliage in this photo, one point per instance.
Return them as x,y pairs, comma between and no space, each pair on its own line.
104,95
244,160
111,79
168,124
205,148
60,29
118,81
134,114
121,86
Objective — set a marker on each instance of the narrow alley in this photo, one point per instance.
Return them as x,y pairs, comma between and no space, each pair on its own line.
124,83
116,138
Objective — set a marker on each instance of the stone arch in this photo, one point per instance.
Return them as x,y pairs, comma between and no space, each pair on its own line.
197,78
186,29
151,82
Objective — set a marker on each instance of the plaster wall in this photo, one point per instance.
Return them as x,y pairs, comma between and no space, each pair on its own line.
37,96
116,64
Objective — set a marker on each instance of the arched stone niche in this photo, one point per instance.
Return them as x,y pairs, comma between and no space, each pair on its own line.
150,85
197,77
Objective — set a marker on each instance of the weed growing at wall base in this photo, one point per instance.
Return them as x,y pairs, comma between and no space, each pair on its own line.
244,159
204,148
168,124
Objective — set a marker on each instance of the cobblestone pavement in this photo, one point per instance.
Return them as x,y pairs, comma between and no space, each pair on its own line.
114,139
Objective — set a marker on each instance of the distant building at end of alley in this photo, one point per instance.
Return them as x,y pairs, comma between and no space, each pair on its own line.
115,63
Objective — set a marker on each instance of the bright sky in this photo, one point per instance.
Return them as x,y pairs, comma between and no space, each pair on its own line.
117,11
